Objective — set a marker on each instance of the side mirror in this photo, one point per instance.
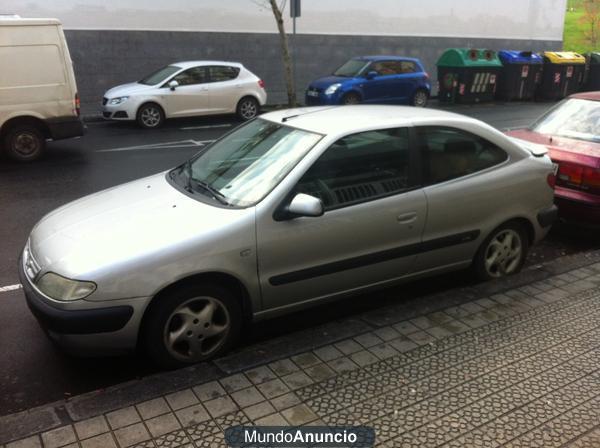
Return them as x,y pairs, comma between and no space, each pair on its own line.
372,74
173,84
304,205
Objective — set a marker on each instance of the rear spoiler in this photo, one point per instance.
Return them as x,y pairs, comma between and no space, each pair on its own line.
535,149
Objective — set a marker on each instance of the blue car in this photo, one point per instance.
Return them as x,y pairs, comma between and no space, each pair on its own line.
373,79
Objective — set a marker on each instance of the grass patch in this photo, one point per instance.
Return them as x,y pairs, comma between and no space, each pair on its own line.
574,38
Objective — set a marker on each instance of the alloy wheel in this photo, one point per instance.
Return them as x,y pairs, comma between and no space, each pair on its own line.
248,109
420,99
196,329
503,253
150,116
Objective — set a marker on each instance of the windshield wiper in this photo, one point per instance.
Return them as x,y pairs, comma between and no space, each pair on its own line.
191,182
212,190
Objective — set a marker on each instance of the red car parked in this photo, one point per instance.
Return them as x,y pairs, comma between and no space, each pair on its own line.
571,131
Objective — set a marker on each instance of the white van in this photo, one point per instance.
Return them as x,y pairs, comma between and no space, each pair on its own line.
38,94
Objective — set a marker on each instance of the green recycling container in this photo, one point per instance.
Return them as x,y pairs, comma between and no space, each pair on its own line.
592,72
468,75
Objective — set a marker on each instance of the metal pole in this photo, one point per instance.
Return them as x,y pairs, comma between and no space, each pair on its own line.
294,58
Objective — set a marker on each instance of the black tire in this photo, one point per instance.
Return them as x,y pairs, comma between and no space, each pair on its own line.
247,108
481,265
24,142
150,116
159,321
351,98
420,98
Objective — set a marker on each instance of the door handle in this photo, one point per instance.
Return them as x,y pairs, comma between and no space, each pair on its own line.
407,218
204,89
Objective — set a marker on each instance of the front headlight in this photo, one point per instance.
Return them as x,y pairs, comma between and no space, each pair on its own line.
332,88
119,100
61,288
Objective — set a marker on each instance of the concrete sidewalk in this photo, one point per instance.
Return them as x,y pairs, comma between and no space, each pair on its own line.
509,363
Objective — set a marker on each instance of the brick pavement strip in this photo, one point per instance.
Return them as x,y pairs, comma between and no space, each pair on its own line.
517,368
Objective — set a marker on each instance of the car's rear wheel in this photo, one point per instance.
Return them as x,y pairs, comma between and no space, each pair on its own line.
192,324
150,116
351,98
420,98
24,142
503,252
247,108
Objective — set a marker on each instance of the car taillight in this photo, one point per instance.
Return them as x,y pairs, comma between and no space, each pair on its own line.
77,105
580,177
570,174
261,84
591,178
426,75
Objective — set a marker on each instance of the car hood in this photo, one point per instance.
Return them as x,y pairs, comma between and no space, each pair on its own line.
563,149
141,220
127,89
323,83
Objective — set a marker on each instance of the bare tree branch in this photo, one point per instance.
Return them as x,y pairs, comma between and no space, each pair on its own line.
285,52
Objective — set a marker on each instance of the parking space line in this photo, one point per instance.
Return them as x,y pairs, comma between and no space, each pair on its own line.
10,288
210,126
164,145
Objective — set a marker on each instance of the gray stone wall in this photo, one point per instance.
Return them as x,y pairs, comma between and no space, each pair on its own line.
104,59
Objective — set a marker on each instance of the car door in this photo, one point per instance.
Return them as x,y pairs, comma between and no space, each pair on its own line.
224,88
374,216
380,89
463,190
190,97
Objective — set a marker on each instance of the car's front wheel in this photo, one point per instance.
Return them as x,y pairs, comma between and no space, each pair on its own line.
503,252
192,324
247,108
351,98
150,116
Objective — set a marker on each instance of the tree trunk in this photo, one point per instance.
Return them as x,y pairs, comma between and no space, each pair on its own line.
287,60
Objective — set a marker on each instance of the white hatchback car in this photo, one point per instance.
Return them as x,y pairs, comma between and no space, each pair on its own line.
186,89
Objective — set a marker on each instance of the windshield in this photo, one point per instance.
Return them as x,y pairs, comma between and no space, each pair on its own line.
351,68
574,118
159,75
245,165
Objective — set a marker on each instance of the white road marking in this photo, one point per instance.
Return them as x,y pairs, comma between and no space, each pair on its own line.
190,128
10,288
164,145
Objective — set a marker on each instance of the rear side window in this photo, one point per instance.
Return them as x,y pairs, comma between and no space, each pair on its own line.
220,73
408,67
386,68
448,153
360,168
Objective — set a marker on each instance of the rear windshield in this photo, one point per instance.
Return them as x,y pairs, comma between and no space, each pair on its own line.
351,68
572,118
159,75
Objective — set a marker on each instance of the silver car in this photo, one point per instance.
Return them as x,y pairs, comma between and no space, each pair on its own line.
289,210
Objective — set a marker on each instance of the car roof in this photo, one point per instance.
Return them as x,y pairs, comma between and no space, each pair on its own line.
592,96
190,64
347,119
386,58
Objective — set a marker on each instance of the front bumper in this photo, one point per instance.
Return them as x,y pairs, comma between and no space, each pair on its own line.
88,321
320,99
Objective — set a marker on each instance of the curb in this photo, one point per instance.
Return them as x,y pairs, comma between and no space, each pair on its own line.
29,422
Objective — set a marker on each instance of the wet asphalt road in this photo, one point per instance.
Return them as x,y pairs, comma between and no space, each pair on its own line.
32,371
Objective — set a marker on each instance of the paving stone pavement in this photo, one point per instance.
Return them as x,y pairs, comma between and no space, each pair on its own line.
515,369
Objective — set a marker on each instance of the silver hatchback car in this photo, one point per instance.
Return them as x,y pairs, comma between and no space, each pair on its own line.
288,210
